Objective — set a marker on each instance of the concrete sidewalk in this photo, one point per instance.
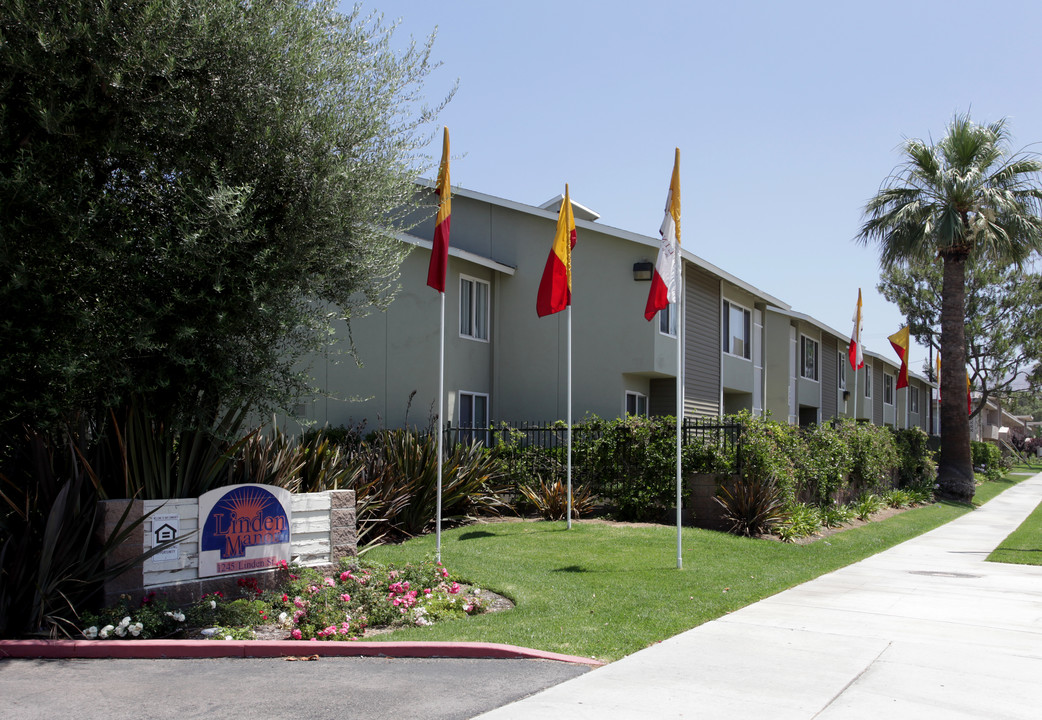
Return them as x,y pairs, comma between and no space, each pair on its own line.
927,629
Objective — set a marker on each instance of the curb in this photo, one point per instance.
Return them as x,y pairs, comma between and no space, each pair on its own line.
180,649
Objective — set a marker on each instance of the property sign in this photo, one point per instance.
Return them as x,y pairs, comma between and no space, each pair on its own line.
165,528
243,528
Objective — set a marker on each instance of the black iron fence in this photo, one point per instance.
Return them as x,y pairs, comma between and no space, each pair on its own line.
539,450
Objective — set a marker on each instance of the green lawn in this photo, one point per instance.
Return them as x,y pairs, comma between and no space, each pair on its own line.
1024,545
606,591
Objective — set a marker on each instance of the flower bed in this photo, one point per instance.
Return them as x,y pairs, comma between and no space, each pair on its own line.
342,606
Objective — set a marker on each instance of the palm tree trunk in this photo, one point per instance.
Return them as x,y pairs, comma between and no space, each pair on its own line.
955,469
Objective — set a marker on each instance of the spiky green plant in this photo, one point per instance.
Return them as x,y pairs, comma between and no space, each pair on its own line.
753,506
550,500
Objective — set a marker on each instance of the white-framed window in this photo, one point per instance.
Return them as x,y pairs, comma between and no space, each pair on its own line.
473,308
808,358
667,320
868,380
913,399
888,389
842,374
473,417
636,404
737,334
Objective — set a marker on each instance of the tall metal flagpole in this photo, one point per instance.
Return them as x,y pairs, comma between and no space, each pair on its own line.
680,392
441,422
436,276
569,415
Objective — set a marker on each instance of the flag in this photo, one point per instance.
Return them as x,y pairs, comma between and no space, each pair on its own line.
969,401
555,289
440,250
900,342
664,279
938,376
856,352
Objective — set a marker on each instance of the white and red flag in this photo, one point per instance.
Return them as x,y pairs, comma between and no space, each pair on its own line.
664,279
857,350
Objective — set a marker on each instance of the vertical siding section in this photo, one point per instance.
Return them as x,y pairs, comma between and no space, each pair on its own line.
829,378
702,343
877,393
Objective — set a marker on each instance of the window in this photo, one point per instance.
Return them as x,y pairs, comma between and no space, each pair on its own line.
808,358
737,333
667,320
913,399
636,404
888,389
868,380
842,371
473,414
473,308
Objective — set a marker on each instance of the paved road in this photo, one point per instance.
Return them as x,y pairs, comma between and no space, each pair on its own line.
329,688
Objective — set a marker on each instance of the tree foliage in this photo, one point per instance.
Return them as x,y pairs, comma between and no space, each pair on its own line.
964,200
189,189
1003,318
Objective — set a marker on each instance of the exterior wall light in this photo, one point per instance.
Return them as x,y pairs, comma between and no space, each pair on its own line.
642,270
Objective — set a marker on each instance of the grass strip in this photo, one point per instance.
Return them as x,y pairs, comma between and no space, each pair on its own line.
605,591
1024,545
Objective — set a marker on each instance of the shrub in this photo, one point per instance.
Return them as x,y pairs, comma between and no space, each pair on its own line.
897,498
867,505
825,464
550,500
395,480
918,467
753,507
835,515
988,458
800,520
632,463
52,562
873,453
768,452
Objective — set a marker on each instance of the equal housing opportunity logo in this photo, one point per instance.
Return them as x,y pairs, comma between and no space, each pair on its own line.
243,528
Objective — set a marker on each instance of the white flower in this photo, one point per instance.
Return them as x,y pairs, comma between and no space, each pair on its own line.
227,637
120,630
176,615
477,591
135,629
91,632
213,604
104,632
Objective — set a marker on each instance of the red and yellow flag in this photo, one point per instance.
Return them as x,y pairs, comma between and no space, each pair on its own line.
900,342
555,289
440,251
664,279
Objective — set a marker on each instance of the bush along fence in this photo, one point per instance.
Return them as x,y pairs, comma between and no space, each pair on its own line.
629,465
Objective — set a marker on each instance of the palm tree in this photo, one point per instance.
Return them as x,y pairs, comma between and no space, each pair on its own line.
968,197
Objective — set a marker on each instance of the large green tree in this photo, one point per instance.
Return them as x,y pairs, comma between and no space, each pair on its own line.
188,189
1003,319
964,199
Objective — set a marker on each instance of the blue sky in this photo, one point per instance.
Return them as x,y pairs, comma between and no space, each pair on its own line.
788,116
